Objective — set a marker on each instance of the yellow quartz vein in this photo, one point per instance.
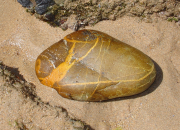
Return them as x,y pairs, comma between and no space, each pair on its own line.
100,66
59,73
109,81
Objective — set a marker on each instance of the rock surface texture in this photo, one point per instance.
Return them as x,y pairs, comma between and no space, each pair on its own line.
90,65
90,12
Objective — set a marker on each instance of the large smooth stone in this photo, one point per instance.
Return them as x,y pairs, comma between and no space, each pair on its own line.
89,65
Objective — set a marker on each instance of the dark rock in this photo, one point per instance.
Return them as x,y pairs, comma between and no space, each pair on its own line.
25,3
42,5
49,16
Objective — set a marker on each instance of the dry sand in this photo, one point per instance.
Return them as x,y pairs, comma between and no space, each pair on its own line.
23,38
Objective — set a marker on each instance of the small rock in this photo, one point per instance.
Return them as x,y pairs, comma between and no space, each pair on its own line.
137,10
168,13
7,78
59,2
49,16
77,125
17,85
143,2
72,23
158,7
6,72
64,27
170,5
42,5
25,3
22,82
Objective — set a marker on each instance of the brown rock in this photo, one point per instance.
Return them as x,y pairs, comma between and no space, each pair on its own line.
137,10
90,65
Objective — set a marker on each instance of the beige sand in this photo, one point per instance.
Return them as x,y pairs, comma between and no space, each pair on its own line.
23,38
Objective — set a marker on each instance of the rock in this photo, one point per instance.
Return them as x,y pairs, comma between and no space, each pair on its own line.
64,27
42,5
89,65
59,2
71,23
6,72
158,7
25,3
137,10
143,2
78,125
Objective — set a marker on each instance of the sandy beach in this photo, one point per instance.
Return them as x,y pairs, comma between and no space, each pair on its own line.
23,37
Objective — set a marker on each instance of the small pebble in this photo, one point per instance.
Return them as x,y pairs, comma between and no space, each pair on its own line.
78,125
25,3
17,85
6,72
42,5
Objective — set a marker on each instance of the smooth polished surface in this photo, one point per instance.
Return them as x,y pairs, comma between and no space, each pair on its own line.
89,65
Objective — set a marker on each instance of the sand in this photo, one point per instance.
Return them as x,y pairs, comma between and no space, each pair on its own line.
23,38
